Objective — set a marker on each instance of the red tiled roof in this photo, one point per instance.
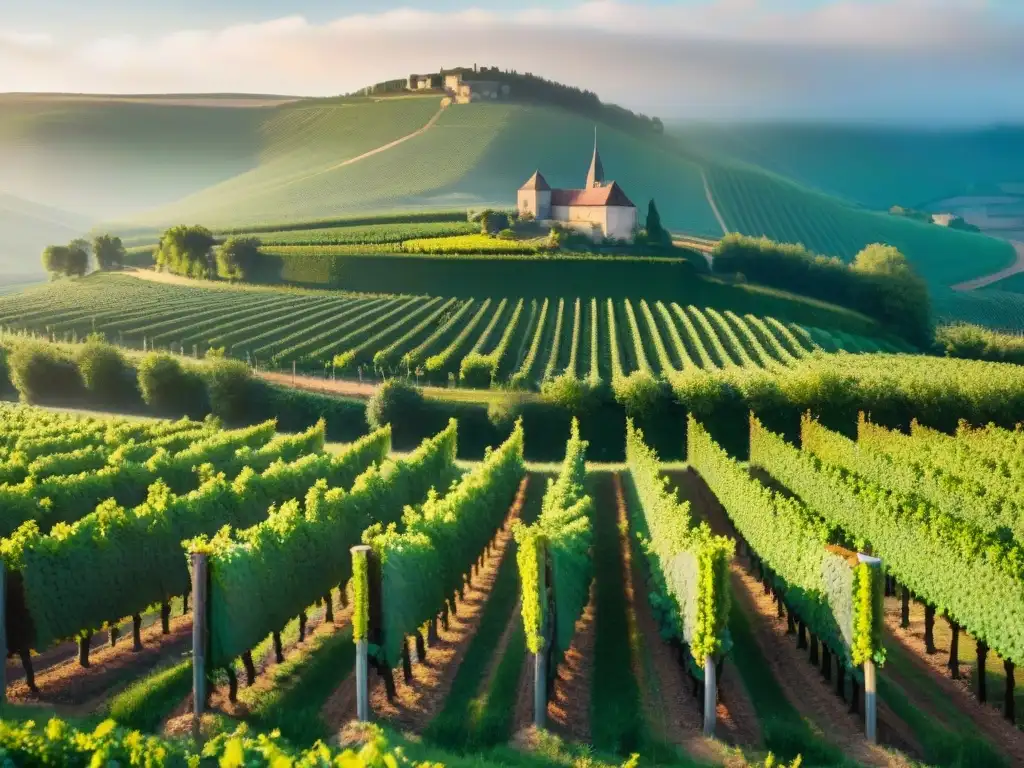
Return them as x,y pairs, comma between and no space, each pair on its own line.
536,182
610,195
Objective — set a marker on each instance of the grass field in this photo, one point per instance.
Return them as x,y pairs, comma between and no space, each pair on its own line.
1012,284
28,228
54,151
1001,309
876,167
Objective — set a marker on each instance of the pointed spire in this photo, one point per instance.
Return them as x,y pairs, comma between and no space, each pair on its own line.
595,176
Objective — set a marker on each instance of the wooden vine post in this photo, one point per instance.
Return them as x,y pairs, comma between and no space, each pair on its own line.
540,659
200,588
365,621
710,695
870,677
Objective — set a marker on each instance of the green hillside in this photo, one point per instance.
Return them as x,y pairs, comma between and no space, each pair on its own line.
106,157
26,228
149,163
756,202
874,166
473,155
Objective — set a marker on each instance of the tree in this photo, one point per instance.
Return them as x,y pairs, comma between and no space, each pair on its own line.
109,251
656,234
106,374
42,372
78,259
170,388
55,260
236,258
186,251
66,260
902,295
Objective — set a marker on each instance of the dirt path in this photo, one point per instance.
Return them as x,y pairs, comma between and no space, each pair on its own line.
711,201
672,711
383,148
980,282
802,684
417,703
66,683
314,384
68,651
986,718
179,721
569,706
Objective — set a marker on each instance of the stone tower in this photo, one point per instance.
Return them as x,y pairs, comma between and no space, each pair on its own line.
535,197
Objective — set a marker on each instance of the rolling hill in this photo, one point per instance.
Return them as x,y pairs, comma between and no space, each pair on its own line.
873,166
757,202
105,157
26,228
471,156
142,164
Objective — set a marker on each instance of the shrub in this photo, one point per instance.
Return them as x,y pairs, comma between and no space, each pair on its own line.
169,388
574,394
236,258
975,342
641,394
41,373
475,370
106,375
399,404
229,387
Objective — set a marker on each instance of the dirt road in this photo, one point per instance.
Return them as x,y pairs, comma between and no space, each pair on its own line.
1013,269
711,202
383,148
327,386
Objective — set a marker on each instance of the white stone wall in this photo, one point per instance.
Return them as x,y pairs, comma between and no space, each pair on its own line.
620,223
536,202
588,219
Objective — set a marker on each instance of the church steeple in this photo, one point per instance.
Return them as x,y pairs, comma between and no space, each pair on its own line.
595,176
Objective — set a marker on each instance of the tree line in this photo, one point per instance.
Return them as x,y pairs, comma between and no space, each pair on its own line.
72,260
193,251
879,283
189,251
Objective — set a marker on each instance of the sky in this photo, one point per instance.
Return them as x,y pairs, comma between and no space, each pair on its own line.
899,61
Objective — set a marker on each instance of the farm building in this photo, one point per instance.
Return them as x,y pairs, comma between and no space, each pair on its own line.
600,209
459,85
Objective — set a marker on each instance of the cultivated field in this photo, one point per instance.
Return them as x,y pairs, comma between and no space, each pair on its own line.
521,341
101,607
876,167
754,202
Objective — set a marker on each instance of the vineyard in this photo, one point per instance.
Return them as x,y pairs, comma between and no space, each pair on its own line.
301,175
521,341
754,202
630,608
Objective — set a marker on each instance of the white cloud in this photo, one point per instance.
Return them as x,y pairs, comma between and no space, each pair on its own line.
948,59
